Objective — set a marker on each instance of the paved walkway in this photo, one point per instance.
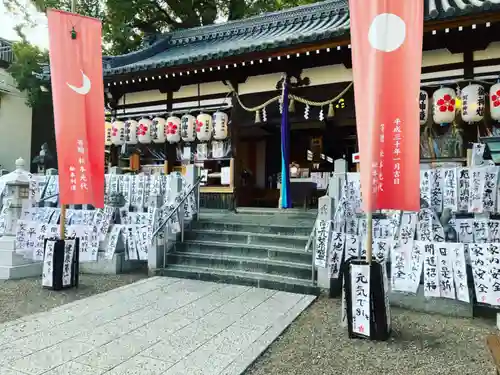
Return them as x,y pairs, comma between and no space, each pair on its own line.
155,326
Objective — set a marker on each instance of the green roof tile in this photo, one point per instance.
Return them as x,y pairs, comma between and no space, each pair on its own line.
311,23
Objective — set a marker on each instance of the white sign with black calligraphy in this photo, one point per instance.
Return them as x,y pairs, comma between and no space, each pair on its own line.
381,228
425,186
143,243
381,249
112,241
477,154
437,229
490,189
113,184
48,264
335,254
360,299
481,231
21,236
445,270
463,189
493,258
139,199
85,233
124,185
425,218
450,192
351,225
437,180
322,239
417,264
408,227
353,191
494,230
130,239
465,230
31,238
39,244
401,267
69,251
352,246
457,250
480,264
477,176
431,272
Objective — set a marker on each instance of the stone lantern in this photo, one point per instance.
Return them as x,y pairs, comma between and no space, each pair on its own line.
16,190
12,264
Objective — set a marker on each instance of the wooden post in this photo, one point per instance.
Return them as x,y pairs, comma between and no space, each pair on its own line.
62,219
369,235
62,225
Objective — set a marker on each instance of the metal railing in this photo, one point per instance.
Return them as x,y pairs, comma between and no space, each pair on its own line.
163,226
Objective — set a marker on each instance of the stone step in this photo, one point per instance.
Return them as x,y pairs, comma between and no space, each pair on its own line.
255,279
246,250
290,212
295,242
10,258
254,227
21,271
232,262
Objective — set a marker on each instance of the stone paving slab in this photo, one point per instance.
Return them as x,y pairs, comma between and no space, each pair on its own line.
155,326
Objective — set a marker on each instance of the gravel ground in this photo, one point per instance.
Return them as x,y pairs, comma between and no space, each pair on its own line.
421,344
23,297
315,343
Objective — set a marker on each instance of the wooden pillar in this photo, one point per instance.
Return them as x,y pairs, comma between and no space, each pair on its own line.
235,145
170,149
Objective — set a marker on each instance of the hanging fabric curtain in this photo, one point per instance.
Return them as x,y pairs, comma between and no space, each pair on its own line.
286,202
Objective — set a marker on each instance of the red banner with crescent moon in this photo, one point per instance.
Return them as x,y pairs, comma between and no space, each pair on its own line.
78,99
386,43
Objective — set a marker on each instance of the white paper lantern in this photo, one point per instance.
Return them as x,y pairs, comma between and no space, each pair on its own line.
495,101
173,129
444,105
144,131
107,133
473,100
188,128
220,121
158,130
423,107
131,132
204,127
118,133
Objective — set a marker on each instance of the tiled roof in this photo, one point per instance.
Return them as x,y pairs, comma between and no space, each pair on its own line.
317,22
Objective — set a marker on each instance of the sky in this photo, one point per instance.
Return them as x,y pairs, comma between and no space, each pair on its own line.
38,35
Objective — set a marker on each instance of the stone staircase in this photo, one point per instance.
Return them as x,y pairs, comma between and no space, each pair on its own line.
13,265
256,247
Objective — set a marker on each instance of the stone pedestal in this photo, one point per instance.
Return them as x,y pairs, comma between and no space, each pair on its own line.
13,265
192,173
155,255
325,212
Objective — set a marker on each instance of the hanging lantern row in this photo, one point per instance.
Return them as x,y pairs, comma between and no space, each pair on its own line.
173,129
470,101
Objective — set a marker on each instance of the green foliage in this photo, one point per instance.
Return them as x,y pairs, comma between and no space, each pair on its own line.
127,24
28,60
